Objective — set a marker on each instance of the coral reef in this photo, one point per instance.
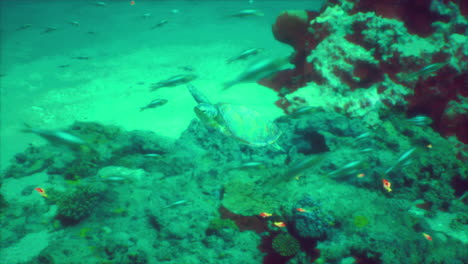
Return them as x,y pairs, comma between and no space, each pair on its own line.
202,169
362,55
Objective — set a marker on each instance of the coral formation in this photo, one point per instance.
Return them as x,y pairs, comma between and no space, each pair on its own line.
74,206
286,245
313,222
362,52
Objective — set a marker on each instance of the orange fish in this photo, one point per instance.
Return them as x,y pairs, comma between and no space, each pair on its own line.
132,2
387,185
279,224
302,210
360,175
265,215
428,237
41,191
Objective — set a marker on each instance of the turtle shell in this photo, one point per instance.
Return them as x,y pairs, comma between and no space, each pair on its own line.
246,125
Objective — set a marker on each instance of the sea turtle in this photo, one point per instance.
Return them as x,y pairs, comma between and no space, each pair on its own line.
236,121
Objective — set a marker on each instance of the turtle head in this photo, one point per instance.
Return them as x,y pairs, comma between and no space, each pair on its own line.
206,112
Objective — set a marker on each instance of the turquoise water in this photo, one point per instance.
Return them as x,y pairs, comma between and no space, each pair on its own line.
233,132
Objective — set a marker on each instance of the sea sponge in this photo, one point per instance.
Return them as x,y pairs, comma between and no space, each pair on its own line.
286,245
291,27
76,205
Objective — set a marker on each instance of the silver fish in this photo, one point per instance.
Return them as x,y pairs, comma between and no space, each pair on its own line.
367,150
350,168
248,13
420,120
251,165
426,70
174,81
405,159
299,167
258,70
56,136
74,23
23,27
153,104
160,24
48,30
245,54
81,58
152,155
175,204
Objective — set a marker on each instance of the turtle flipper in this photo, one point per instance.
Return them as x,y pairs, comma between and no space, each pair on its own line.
197,95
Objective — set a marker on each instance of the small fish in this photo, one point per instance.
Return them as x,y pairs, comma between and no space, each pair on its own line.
429,146
366,150
252,165
176,203
301,210
174,81
426,236
152,155
302,111
41,191
113,179
350,168
404,159
64,66
265,215
186,68
153,104
160,24
48,30
146,15
279,224
56,136
387,185
132,3
299,167
360,175
420,120
363,136
245,54
259,70
426,70
23,27
74,23
100,4
81,58
247,13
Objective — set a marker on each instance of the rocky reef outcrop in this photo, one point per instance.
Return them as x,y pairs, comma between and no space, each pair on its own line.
360,57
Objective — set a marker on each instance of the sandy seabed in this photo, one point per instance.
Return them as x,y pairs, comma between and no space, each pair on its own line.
43,84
